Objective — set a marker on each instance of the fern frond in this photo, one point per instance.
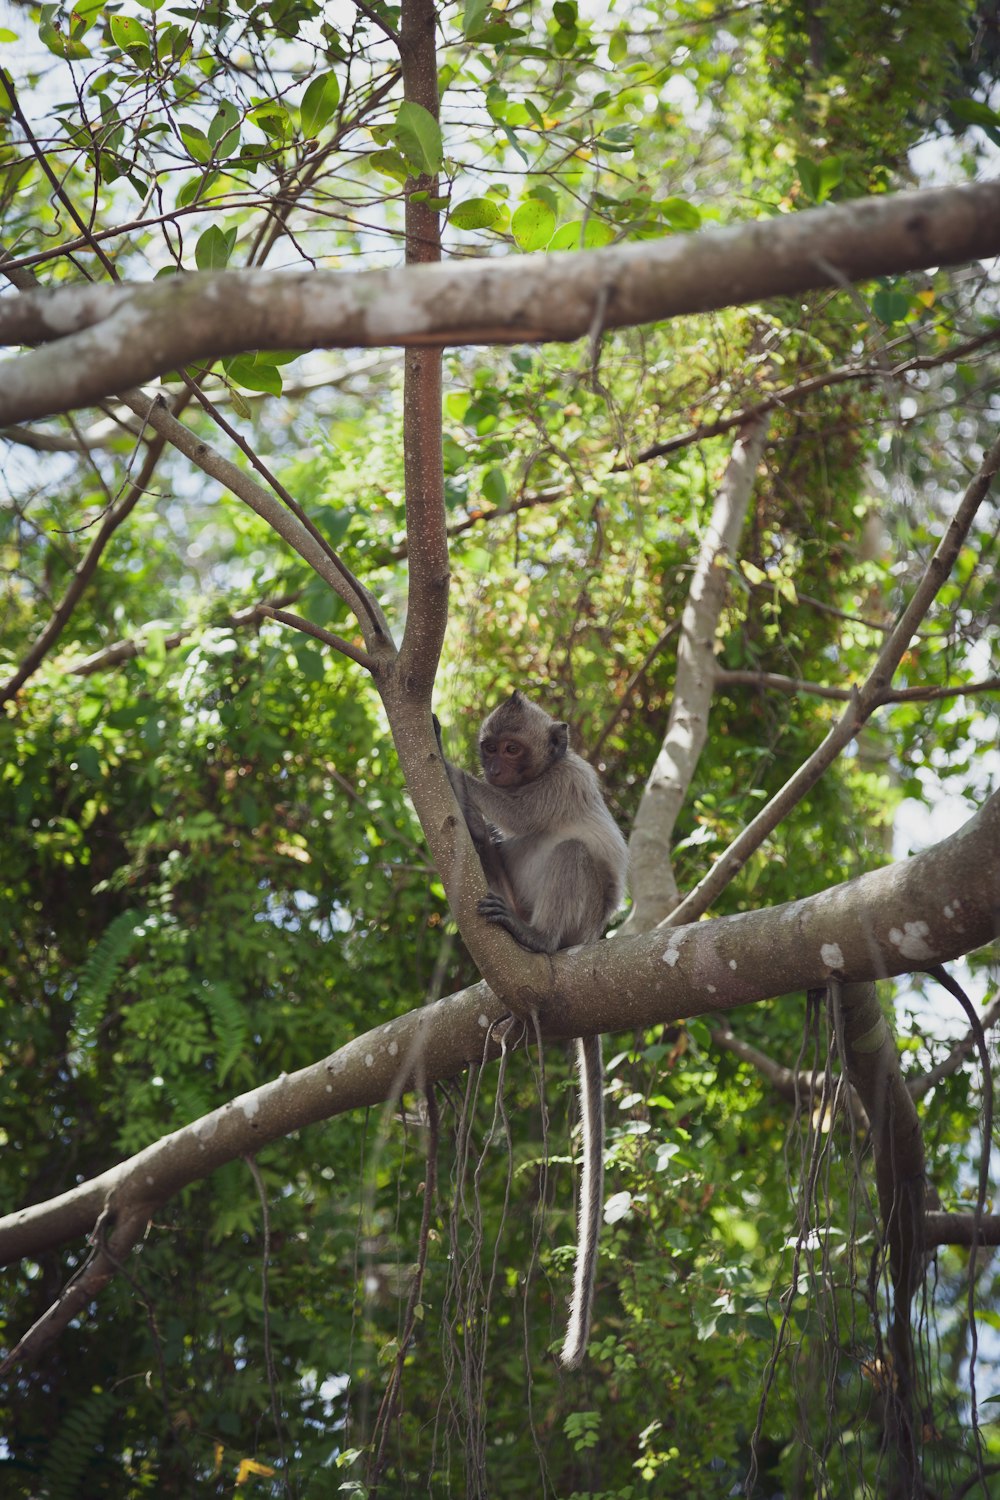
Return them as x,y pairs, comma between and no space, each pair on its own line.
229,1023
101,970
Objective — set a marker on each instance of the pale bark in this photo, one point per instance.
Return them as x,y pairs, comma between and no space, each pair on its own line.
651,878
98,339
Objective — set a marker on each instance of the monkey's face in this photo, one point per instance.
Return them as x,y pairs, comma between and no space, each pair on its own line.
506,760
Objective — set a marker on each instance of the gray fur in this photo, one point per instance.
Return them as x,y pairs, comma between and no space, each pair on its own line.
556,864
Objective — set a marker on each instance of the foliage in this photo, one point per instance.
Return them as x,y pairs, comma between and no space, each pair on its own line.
211,874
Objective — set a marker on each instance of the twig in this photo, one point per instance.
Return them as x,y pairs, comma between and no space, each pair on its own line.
82,574
959,1054
347,648
740,678
358,596
84,1287
800,390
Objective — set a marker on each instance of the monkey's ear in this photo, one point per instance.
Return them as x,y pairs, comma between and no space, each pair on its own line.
516,697
559,740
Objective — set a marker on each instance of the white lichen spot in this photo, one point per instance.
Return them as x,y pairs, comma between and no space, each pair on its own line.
910,940
672,952
949,911
711,989
483,1020
205,1129
831,956
393,1048
339,1063
369,1060
249,1105
329,1088
732,963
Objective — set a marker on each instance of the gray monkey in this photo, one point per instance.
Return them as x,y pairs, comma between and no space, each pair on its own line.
555,862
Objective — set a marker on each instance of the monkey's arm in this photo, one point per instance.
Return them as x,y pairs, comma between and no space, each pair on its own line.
482,832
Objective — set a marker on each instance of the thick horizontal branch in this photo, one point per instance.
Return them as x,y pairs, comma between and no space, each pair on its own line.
920,912
113,336
959,1229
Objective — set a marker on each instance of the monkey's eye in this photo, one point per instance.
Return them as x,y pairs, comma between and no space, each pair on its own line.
511,748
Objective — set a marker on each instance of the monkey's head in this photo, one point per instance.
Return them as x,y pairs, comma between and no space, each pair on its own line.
519,741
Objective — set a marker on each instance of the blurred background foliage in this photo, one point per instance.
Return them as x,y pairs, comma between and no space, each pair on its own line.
211,873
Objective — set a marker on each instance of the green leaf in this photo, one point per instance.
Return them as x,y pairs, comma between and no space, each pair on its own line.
617,47
319,103
892,302
495,487
128,33
214,248
254,373
224,131
974,112
565,14
89,762
60,44
475,213
309,661
418,136
390,164
474,16
680,214
199,147
533,225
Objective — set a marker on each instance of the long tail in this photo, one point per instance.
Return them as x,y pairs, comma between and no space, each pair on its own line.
581,1307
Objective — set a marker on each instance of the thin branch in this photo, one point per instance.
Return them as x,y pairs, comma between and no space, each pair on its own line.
800,390
871,695
84,1287
376,20
57,186
360,599
296,622
654,890
651,656
266,506
127,650
82,574
781,684
957,1057
786,1082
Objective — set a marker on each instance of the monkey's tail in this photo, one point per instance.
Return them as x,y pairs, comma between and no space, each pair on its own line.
591,1065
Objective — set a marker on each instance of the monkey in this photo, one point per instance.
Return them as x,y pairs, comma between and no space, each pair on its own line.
555,862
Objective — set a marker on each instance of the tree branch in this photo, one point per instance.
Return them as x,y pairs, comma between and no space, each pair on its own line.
726,678
109,337
800,390
296,622
654,890
871,695
930,908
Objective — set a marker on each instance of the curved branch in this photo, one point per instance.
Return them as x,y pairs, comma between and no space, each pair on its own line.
930,908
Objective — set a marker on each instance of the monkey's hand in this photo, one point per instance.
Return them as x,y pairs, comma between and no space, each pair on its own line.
496,909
